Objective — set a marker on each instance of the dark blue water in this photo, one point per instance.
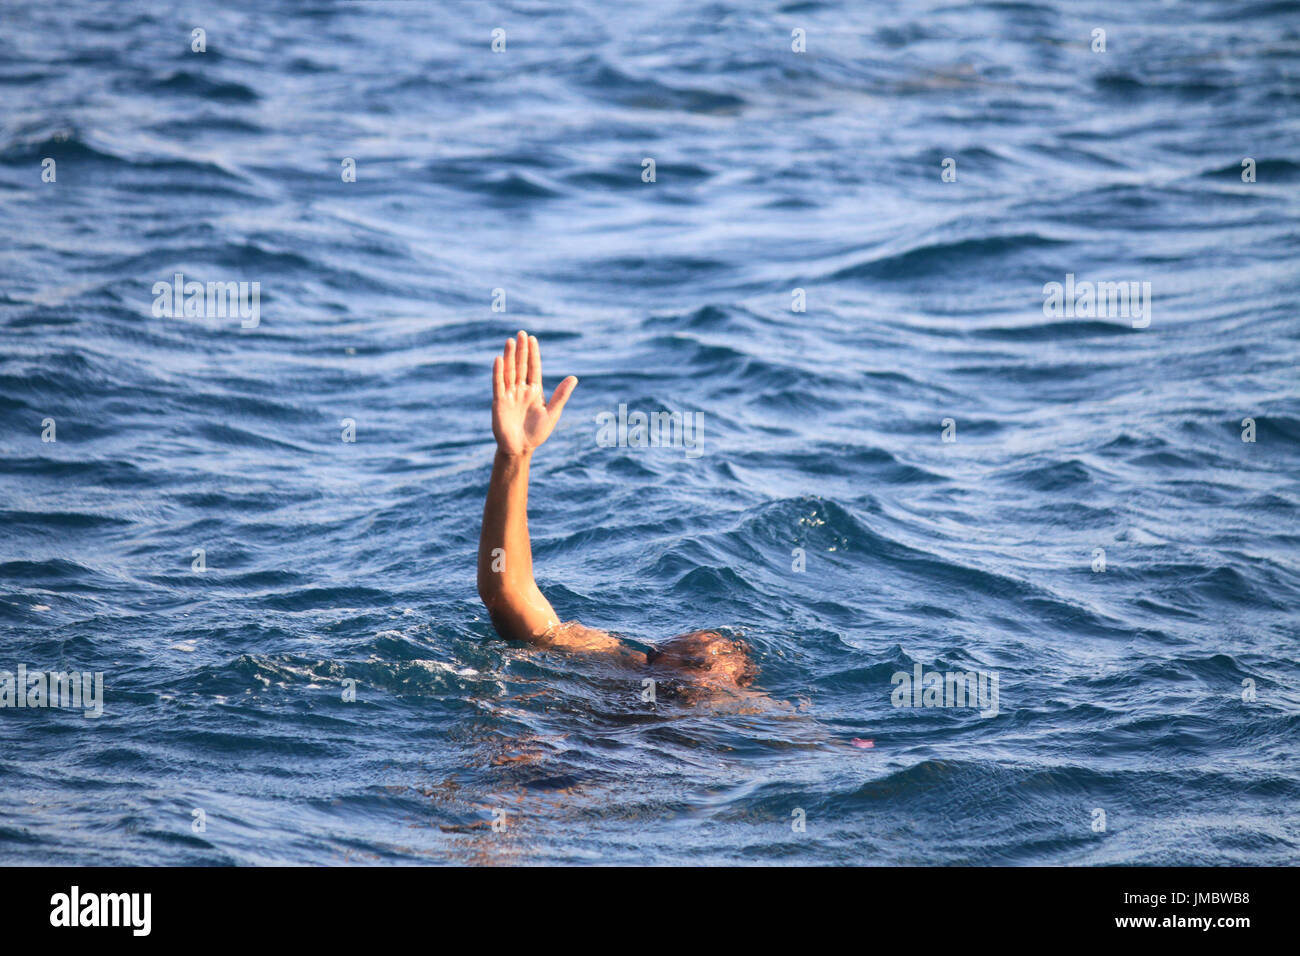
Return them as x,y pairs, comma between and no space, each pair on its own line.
327,561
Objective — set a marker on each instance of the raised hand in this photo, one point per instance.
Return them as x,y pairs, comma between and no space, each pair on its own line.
521,420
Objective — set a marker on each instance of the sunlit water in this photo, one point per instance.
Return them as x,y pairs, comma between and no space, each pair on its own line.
1120,690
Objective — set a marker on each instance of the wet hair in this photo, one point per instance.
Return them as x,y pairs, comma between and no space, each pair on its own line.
749,672
699,651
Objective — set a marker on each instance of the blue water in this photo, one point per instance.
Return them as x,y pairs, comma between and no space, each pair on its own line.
1120,690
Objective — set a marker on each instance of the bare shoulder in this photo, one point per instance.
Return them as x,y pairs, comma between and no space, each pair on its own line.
572,636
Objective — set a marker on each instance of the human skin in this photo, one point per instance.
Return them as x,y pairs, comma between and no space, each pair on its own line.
521,422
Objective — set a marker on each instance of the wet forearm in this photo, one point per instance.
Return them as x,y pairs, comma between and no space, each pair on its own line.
505,558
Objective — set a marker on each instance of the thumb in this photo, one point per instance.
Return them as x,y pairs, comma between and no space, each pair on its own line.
560,396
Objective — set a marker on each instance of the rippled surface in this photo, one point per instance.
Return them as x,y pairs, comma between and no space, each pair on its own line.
329,561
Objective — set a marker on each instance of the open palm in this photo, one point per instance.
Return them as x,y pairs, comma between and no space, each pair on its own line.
521,420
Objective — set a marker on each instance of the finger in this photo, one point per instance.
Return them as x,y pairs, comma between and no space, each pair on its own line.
508,357
498,378
560,396
534,362
521,359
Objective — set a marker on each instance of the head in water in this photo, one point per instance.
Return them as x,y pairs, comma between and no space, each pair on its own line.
708,657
